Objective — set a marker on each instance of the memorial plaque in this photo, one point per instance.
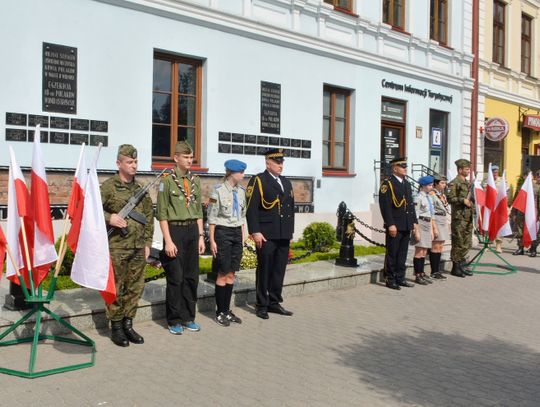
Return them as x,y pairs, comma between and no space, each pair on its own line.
15,135
57,137
285,142
236,149
224,136
250,138
80,124
237,138
296,153
224,148
306,154
95,139
15,119
270,107
251,150
262,150
35,119
306,143
287,152
296,143
263,140
273,141
99,125
43,136
59,123
59,78
77,138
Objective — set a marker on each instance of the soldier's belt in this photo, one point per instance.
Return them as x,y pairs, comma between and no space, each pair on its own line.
183,222
424,218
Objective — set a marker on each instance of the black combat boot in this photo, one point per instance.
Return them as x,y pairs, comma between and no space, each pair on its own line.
464,269
533,249
519,251
117,334
456,270
133,336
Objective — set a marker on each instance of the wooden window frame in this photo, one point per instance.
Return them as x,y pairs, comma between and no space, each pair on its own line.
163,161
497,28
331,169
338,7
435,23
391,17
526,42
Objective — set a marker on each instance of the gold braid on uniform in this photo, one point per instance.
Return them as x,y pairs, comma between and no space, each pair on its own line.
394,198
265,204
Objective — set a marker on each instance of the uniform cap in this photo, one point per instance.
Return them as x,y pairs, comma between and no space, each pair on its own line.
425,180
127,150
494,168
439,178
401,161
275,154
235,165
183,147
463,163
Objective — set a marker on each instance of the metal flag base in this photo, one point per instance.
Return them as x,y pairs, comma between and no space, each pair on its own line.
39,308
475,262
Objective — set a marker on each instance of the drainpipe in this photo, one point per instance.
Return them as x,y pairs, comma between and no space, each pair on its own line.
474,75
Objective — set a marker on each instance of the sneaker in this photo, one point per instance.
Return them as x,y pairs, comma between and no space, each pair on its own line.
438,276
192,326
222,319
427,279
176,329
233,318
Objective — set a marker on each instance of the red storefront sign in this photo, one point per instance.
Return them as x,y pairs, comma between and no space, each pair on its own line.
532,122
496,129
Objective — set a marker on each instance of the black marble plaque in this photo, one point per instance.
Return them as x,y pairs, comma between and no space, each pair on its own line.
273,141
262,150
306,143
59,123
262,140
95,139
306,154
15,119
296,143
99,125
59,78
223,136
295,153
35,119
287,152
237,138
15,135
250,138
43,136
224,148
270,107
237,149
77,138
251,150
285,142
57,137
80,124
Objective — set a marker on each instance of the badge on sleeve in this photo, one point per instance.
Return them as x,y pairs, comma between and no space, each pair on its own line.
384,188
249,190
161,187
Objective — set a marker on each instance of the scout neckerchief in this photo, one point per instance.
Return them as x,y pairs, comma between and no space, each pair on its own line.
188,187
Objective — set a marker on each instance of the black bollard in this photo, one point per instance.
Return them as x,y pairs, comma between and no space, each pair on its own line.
14,301
346,251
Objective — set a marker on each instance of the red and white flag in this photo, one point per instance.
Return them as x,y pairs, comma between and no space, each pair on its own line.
491,200
44,252
500,223
3,248
76,201
479,201
92,266
524,203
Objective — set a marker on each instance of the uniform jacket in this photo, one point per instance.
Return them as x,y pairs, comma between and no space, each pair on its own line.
422,205
458,191
270,210
171,199
396,204
220,208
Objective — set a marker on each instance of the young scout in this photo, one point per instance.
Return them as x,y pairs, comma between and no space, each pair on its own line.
128,251
180,215
426,227
227,220
440,216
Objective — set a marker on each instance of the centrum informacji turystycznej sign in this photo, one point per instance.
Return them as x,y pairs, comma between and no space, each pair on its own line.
425,93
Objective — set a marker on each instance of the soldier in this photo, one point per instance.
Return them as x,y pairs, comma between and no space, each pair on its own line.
459,196
518,219
129,252
227,219
180,215
397,209
270,219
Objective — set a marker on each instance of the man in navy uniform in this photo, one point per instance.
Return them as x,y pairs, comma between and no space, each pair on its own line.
270,219
397,209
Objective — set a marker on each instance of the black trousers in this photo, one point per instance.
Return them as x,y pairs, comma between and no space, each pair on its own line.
396,255
182,274
272,260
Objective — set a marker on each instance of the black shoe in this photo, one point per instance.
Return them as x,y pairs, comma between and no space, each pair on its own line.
393,286
533,253
465,270
519,252
438,276
420,281
131,335
456,271
405,284
232,318
278,309
427,279
221,319
117,334
261,313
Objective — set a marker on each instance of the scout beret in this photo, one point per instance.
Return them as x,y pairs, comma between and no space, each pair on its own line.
463,163
235,165
127,150
425,180
494,168
439,178
183,147
275,154
399,161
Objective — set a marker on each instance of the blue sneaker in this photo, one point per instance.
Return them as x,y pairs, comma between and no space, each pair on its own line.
192,326
176,329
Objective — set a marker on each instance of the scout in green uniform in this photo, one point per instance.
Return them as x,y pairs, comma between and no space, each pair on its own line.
180,215
128,251
459,196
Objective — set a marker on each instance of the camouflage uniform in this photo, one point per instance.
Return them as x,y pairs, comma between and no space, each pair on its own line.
127,253
462,219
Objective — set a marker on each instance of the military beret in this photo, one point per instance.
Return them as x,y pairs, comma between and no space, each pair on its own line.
127,150
275,154
463,163
183,147
399,161
439,178
494,168
425,180
235,165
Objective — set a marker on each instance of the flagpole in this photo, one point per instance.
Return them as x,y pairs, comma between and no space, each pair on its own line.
27,253
17,272
61,253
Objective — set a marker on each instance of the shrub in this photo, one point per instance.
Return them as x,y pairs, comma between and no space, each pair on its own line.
319,235
249,257
65,270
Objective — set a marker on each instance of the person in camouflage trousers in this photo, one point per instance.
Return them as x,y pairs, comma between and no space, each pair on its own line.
129,245
519,218
459,197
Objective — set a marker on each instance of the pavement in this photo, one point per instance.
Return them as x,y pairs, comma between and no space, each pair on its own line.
460,342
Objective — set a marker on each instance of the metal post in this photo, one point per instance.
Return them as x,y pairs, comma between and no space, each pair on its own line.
346,232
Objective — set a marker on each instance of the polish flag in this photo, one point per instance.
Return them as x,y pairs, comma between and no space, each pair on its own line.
500,224
3,248
479,201
524,203
76,201
92,266
44,251
491,200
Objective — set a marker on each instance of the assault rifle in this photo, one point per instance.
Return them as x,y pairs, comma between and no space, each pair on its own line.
128,211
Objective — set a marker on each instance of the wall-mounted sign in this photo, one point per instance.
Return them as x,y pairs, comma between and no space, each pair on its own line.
496,129
393,111
425,93
59,78
419,132
270,107
436,137
532,122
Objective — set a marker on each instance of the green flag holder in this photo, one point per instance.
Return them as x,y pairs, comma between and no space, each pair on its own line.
38,302
486,247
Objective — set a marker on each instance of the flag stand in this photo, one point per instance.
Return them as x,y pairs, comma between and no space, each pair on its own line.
475,262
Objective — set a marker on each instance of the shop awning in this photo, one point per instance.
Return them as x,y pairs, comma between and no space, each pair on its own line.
532,122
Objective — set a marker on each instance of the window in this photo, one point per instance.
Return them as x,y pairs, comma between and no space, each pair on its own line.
394,13
342,4
498,32
176,106
526,44
438,29
336,114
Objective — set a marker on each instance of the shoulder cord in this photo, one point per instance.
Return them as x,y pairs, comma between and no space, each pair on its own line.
394,198
265,204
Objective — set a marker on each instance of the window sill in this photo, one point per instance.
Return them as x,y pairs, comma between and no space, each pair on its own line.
401,30
162,166
345,11
335,173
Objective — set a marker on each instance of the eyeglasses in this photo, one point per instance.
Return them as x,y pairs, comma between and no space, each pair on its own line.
402,165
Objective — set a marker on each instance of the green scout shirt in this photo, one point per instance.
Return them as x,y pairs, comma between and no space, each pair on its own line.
171,200
459,191
115,195
220,208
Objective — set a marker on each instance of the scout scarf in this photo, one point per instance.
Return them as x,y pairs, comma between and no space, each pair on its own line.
188,189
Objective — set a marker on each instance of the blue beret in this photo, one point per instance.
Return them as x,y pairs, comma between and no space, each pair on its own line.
425,180
235,165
